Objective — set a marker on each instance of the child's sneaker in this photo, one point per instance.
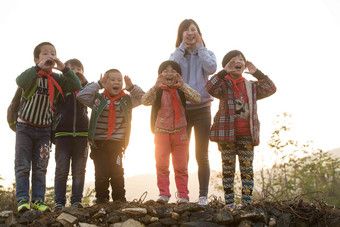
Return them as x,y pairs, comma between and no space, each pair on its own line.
163,199
23,205
40,205
58,207
182,201
203,201
231,205
77,205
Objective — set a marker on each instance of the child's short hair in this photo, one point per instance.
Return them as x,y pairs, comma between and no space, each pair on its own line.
75,62
230,55
37,49
173,64
113,71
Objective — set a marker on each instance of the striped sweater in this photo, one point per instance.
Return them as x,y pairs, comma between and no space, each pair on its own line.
36,111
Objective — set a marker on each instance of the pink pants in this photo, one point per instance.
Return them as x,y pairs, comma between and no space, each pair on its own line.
178,145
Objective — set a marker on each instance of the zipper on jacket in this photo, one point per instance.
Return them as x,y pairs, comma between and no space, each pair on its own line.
74,114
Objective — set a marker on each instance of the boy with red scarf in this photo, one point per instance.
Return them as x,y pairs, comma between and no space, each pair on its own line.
109,130
33,130
168,122
236,126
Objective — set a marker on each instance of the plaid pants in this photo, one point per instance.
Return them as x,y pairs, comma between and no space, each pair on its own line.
245,150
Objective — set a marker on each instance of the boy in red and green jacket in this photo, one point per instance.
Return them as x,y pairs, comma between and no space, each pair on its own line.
236,126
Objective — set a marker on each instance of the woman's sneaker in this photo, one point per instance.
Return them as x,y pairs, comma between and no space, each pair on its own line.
23,205
40,205
203,201
163,199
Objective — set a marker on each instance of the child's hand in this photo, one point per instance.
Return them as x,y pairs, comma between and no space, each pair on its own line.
251,67
230,67
159,81
128,83
198,38
102,79
60,64
46,64
179,82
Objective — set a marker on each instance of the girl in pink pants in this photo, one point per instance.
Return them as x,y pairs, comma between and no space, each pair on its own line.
168,98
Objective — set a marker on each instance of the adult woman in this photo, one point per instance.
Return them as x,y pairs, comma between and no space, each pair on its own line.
197,63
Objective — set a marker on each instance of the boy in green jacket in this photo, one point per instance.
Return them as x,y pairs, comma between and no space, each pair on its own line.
33,129
109,129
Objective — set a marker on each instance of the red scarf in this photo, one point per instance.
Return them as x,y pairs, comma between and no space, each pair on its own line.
112,112
175,101
235,85
51,82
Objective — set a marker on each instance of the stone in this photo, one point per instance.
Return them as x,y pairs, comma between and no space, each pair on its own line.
200,217
154,219
274,211
29,216
223,217
260,224
163,212
6,213
185,217
245,223
284,220
135,211
199,224
254,215
81,224
75,212
175,216
99,214
156,224
272,221
188,207
66,217
113,219
168,221
132,223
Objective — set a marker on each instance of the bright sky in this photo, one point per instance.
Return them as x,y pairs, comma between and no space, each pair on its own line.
295,42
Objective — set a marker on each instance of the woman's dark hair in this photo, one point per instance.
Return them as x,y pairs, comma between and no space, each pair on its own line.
173,64
182,27
37,49
230,55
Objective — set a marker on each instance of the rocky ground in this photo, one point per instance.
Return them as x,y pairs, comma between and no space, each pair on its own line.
151,213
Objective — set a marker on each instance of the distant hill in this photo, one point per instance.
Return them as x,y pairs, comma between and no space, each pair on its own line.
135,186
335,152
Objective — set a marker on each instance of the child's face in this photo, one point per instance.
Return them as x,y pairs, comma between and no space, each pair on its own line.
114,83
78,71
189,35
237,65
169,76
46,51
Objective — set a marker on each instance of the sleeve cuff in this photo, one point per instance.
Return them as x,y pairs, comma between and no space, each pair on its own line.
65,70
100,84
131,88
259,75
221,74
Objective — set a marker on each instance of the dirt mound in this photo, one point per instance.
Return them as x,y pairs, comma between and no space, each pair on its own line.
151,213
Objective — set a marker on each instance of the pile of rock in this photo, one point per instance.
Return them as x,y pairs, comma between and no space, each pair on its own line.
150,213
